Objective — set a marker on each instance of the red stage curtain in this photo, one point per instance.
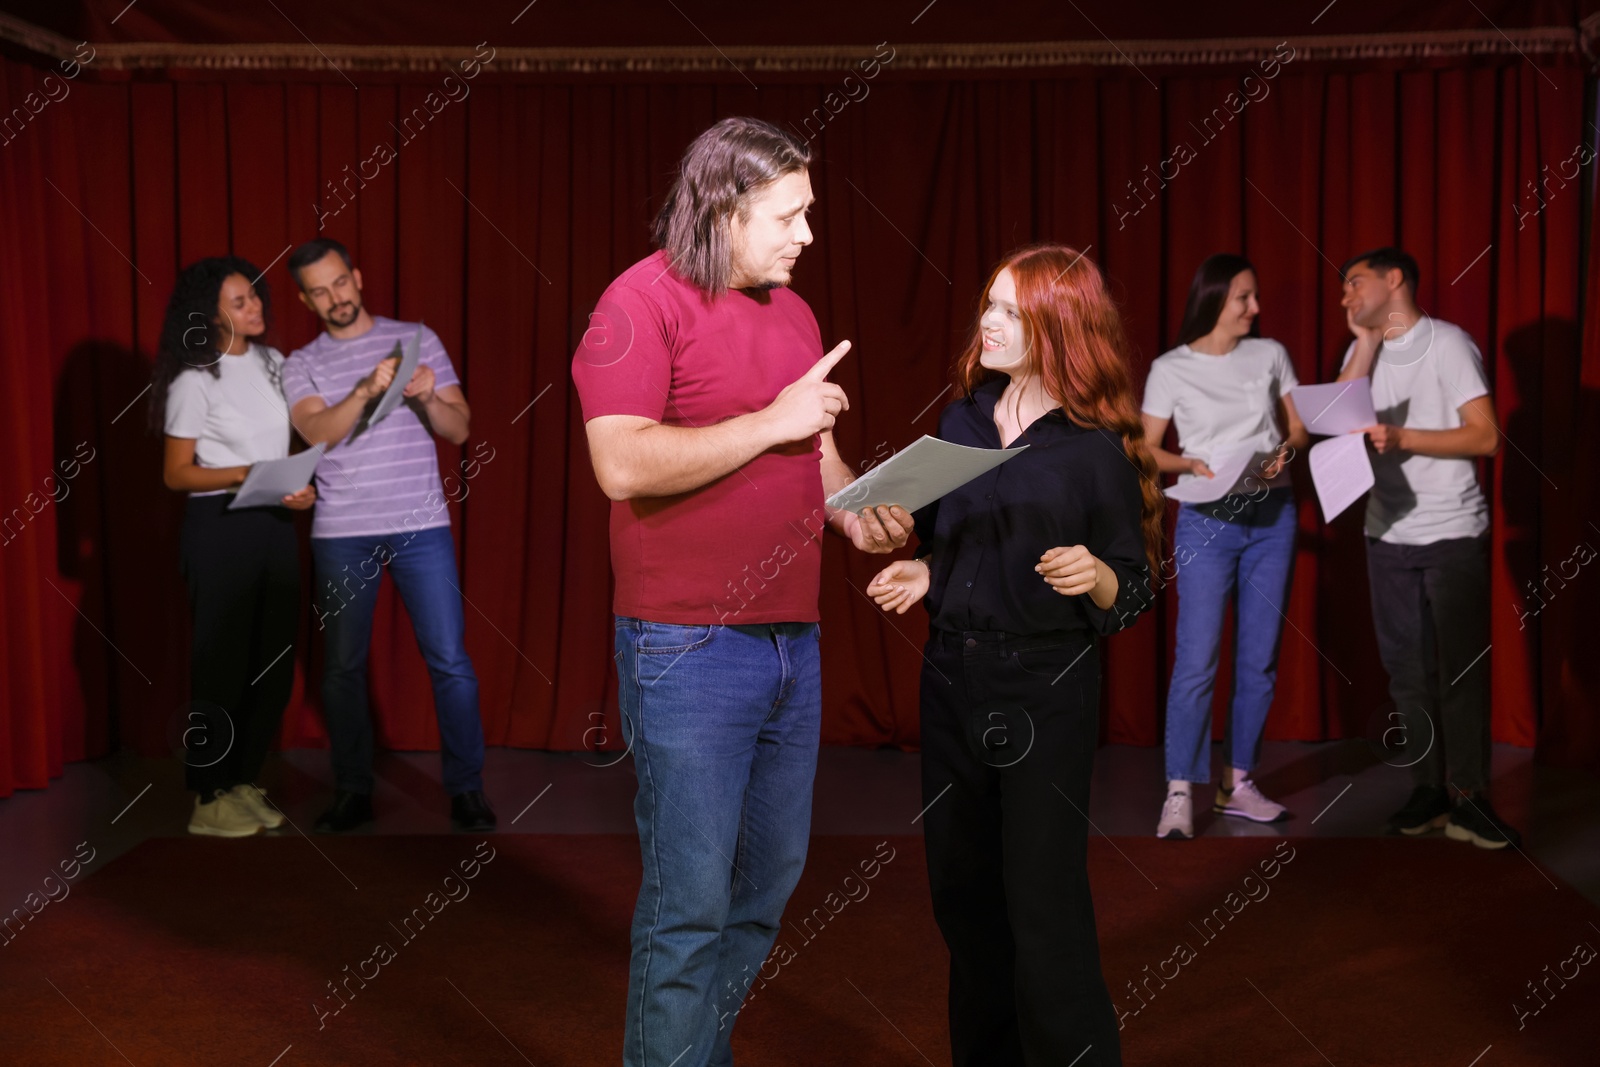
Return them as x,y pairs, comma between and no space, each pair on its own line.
505,216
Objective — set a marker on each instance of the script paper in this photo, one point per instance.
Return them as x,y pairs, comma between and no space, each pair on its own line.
1341,471
1336,407
920,474
271,480
392,396
1229,465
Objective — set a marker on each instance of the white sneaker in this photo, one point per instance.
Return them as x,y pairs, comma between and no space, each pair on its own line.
225,816
1177,817
254,799
1247,802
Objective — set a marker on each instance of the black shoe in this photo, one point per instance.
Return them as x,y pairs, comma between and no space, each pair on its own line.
1428,809
470,811
348,811
1474,820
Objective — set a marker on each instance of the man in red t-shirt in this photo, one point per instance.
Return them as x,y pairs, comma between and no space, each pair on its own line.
709,417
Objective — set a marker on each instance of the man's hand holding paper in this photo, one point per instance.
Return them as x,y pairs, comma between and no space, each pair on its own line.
920,474
1340,467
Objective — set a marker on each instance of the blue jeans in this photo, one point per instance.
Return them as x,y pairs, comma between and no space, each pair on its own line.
1251,558
423,566
724,723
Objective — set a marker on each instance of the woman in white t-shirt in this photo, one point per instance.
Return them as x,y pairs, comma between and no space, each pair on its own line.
217,396
1226,390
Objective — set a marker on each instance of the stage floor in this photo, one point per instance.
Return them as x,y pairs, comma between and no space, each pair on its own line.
1333,789
175,949
435,949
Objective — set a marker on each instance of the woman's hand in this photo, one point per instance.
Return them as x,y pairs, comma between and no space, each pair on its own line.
1073,570
1070,570
1279,460
1198,466
900,584
301,499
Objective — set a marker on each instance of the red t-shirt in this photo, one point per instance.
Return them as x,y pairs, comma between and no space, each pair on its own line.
744,548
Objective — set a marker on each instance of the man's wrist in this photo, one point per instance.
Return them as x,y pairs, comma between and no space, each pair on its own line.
1366,349
760,427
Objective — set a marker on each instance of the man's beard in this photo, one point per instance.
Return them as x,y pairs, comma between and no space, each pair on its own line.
333,314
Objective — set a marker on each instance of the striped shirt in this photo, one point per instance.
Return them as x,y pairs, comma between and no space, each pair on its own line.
386,480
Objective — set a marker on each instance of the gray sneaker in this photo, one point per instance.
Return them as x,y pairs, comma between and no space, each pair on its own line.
225,816
254,799
1177,817
1246,802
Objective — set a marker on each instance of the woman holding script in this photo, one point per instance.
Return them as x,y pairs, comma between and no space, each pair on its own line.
1224,387
1022,568
217,395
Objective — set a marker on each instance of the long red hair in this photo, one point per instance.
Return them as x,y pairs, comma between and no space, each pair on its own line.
1074,341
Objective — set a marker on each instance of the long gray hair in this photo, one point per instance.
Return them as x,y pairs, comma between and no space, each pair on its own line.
721,170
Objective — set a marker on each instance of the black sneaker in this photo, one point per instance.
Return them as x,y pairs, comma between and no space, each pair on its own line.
348,811
471,812
1428,809
1474,820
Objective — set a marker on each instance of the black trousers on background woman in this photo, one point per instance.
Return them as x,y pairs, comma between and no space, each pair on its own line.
243,572
1009,729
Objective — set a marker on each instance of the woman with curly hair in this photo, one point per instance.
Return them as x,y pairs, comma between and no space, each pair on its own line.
1023,569
217,395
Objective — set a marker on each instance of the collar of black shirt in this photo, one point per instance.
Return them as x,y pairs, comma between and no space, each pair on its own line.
986,398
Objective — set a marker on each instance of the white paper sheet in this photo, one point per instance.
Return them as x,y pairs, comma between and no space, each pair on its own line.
1229,465
1341,471
920,474
392,396
271,480
1335,407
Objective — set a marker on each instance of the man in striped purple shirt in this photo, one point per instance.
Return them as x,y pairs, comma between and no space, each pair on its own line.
381,505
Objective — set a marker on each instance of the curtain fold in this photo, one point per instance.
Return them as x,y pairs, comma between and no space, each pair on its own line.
503,215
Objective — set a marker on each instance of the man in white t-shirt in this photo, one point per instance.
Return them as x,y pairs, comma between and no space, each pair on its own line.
1427,541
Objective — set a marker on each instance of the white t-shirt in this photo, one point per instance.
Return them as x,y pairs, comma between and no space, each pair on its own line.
1421,379
237,418
1217,401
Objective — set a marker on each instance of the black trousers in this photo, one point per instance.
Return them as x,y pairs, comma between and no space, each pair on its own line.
1430,608
243,573
1009,729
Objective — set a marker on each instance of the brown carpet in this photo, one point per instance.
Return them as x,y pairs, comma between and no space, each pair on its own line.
189,951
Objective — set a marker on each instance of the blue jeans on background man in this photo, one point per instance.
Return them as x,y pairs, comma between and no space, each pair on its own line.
423,566
724,723
1249,556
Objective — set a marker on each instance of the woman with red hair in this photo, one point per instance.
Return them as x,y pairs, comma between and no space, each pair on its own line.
1023,568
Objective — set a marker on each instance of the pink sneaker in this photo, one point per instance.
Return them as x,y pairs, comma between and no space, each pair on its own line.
1246,802
1177,817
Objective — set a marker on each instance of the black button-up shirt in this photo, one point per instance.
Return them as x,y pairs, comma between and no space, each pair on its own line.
1073,486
